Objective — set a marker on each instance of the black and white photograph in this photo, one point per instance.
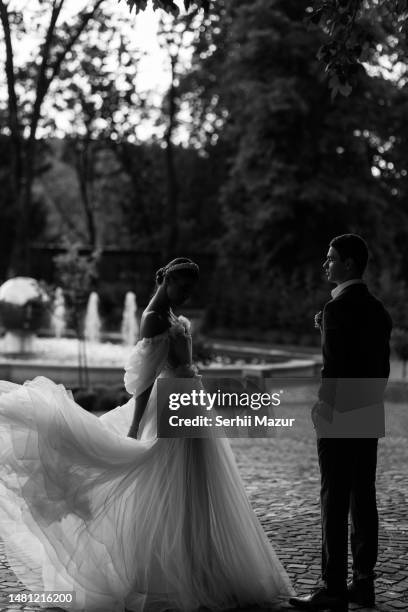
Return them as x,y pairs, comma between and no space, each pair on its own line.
203,305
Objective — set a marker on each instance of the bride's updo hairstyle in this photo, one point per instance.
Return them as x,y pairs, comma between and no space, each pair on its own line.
181,266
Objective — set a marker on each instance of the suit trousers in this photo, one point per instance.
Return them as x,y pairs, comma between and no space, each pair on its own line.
348,471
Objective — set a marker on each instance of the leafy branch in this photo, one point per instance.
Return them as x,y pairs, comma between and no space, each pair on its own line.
353,28
167,5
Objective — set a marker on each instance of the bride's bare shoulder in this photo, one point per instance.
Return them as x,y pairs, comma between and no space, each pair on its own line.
152,324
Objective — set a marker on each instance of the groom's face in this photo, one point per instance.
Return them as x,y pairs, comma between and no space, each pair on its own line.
334,267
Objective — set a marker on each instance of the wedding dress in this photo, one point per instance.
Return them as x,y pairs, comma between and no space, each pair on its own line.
148,524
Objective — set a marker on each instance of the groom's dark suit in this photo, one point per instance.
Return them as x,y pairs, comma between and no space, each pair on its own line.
355,344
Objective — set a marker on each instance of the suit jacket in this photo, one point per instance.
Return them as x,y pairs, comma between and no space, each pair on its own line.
356,331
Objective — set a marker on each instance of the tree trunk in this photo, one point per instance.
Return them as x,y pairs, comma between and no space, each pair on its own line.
124,153
23,162
172,183
20,257
84,168
20,261
16,158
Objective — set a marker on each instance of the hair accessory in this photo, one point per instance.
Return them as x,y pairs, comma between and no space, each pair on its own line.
182,266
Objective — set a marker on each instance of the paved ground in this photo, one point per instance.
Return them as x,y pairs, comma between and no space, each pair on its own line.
282,480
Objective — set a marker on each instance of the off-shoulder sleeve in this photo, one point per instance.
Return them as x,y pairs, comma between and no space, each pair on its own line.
145,363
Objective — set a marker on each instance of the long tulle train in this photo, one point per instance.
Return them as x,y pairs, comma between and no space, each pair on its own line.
143,525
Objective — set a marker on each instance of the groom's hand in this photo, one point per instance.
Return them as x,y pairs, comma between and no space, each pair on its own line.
318,318
322,413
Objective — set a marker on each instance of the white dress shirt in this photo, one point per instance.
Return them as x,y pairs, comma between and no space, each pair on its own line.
354,281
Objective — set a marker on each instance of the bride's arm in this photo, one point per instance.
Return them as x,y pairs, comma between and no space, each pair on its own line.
140,406
151,325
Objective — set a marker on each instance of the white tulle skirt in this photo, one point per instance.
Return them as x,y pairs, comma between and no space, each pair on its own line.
150,524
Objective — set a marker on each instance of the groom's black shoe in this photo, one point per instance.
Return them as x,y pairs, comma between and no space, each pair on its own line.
361,592
320,599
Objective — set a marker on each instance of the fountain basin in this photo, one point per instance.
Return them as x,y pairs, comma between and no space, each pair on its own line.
19,371
57,360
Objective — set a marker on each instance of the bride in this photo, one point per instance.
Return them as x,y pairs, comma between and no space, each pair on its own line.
105,509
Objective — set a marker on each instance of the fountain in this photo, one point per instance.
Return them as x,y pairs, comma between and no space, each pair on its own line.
130,326
58,317
92,322
23,305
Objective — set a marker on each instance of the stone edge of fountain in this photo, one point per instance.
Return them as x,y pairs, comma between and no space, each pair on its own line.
19,371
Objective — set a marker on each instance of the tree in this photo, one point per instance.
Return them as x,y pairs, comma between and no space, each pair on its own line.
302,166
7,210
98,87
175,37
354,29
24,118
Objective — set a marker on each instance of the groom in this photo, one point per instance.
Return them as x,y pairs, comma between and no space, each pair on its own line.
355,343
